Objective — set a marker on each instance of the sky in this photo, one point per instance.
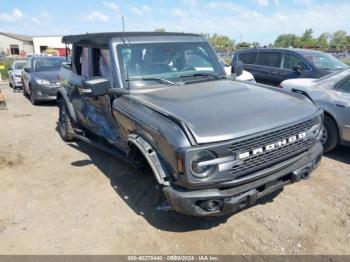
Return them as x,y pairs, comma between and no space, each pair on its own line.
250,20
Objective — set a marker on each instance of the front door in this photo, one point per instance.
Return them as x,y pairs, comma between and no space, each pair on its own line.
290,61
94,113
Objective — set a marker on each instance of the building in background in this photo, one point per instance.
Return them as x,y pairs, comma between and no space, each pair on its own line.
49,45
15,45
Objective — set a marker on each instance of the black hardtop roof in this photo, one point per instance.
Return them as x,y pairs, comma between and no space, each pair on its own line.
300,51
102,39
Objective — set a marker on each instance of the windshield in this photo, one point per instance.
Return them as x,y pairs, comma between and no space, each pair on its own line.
167,61
325,61
19,65
48,64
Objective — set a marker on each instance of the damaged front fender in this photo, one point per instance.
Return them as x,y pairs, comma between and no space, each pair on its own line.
151,157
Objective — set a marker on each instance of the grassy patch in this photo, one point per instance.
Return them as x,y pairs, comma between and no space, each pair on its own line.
7,63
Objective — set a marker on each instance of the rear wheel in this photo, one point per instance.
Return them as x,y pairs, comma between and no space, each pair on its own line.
330,137
65,127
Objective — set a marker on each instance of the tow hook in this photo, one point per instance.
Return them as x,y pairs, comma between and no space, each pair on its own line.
303,172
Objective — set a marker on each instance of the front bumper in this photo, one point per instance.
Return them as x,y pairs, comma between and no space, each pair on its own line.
216,202
45,93
17,82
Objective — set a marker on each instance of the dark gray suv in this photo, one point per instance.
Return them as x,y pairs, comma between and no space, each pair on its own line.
272,65
215,145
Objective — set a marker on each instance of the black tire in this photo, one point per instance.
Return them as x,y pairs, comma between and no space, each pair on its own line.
330,135
32,98
65,127
10,85
24,89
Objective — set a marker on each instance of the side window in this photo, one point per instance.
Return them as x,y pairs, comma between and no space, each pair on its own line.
291,60
84,62
247,58
272,59
80,61
344,86
101,63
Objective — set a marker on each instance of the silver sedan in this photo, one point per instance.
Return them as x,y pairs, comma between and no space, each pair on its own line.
332,94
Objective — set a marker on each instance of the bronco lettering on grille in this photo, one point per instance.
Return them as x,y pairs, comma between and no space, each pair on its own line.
273,146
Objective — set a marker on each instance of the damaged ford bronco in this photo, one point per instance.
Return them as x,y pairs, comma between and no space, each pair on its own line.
214,144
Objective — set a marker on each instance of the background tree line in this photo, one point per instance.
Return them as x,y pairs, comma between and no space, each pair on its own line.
339,40
336,40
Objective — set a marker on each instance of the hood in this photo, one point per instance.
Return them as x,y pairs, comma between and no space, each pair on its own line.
221,110
52,76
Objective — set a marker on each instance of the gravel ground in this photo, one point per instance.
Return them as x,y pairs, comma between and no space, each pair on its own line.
59,198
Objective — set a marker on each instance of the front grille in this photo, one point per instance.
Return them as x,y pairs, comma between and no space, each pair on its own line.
275,156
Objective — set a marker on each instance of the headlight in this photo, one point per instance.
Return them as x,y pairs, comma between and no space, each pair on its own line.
316,128
199,168
43,81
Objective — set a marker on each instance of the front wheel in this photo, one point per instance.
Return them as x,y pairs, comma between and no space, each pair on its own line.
65,127
24,89
330,137
32,98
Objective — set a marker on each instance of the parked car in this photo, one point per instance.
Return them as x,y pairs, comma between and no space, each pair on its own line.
244,76
272,66
332,94
213,143
14,74
40,78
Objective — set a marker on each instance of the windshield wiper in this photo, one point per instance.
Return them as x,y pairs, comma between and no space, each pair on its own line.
160,80
210,75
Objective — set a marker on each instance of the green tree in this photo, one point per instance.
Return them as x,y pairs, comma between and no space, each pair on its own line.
255,44
323,40
307,39
159,30
287,40
220,42
339,38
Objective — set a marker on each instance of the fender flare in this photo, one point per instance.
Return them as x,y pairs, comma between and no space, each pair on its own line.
151,156
62,93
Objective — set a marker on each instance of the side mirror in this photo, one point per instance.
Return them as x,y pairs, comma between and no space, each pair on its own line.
237,68
95,86
9,69
297,69
26,69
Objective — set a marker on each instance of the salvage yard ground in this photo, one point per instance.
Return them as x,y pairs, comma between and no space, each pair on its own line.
59,198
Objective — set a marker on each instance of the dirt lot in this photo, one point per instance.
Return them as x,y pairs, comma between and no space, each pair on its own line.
59,198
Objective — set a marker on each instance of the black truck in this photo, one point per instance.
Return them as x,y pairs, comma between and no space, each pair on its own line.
215,145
